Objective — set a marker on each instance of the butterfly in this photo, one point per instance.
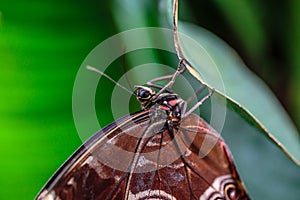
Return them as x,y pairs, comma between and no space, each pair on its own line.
160,152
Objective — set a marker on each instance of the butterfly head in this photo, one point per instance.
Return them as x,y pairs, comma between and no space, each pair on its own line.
144,95
168,102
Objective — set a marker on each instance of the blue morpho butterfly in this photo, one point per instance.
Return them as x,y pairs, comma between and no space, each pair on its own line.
155,153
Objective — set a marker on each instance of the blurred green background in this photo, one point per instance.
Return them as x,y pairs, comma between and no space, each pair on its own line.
43,43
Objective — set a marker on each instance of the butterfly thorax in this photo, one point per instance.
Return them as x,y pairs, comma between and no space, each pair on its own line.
168,102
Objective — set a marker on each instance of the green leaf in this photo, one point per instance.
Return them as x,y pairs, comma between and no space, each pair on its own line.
218,67
245,92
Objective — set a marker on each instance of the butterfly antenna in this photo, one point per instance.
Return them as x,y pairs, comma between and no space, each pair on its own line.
124,68
109,78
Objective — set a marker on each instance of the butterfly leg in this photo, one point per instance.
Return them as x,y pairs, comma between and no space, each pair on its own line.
201,88
199,103
180,69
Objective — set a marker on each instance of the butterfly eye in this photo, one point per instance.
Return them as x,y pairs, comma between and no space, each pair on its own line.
144,93
231,192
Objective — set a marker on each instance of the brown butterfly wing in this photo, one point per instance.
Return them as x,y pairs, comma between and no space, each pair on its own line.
81,177
140,159
210,164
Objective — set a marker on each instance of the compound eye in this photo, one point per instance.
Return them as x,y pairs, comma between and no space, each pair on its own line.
144,93
231,192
